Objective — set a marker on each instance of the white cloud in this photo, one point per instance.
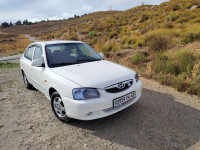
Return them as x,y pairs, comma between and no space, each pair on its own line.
86,8
62,16
35,19
67,15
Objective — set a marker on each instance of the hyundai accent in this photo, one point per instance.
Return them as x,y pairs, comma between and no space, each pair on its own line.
77,80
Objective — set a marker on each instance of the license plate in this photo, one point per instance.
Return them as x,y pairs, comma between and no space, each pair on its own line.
124,99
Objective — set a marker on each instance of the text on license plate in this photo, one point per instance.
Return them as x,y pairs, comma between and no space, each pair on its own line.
124,99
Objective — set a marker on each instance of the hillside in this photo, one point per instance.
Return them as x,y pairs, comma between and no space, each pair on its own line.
160,42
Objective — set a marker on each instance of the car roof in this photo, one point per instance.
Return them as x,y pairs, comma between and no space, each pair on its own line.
56,42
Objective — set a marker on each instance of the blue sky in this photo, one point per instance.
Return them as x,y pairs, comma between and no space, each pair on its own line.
36,10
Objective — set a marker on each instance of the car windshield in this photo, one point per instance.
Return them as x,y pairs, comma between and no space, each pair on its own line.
70,53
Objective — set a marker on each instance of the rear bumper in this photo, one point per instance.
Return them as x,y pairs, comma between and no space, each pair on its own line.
101,107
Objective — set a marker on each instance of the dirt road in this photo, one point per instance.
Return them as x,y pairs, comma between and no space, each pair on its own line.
162,119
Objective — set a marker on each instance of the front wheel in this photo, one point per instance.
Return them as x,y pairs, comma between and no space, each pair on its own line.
58,107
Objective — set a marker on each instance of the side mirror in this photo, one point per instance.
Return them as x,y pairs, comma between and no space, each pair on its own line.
37,63
101,54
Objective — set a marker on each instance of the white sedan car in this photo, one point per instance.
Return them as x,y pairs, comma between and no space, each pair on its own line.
78,81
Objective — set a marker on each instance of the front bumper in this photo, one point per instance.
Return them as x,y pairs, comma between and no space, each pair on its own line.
100,107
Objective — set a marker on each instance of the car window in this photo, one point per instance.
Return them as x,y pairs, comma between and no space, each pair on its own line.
70,53
38,54
84,50
29,52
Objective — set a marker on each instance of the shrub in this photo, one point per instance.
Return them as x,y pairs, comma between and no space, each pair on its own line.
175,64
112,35
123,40
166,79
93,42
110,47
173,18
165,65
158,41
169,25
180,83
186,62
182,20
74,37
191,37
117,60
92,33
138,58
138,43
195,72
131,40
194,87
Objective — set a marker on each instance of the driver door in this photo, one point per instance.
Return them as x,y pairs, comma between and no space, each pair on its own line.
38,72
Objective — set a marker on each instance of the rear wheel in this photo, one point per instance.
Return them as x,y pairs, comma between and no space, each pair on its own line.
58,107
26,83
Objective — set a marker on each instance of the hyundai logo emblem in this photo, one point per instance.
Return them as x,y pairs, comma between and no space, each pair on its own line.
121,85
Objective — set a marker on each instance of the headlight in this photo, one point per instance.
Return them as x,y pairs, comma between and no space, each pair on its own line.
85,93
136,77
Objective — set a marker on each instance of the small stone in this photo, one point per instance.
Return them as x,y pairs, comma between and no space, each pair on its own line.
31,127
49,143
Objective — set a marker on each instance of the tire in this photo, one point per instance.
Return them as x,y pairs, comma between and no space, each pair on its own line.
26,83
58,107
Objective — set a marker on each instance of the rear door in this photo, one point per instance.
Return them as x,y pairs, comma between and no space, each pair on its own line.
28,56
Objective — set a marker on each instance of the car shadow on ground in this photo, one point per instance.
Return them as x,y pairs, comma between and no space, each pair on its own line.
154,122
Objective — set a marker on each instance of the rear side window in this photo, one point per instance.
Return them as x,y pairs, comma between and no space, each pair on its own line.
38,54
29,52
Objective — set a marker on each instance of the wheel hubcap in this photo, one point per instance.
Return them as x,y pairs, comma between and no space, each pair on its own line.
25,81
59,107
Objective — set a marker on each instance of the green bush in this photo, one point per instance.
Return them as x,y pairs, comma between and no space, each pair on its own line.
191,37
117,60
186,62
92,33
164,65
138,58
158,41
175,64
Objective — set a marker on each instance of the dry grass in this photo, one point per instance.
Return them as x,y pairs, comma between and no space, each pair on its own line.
12,44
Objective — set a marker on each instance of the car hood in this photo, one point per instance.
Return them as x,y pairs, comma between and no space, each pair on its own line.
98,74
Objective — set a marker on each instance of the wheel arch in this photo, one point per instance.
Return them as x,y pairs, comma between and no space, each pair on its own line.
22,71
51,91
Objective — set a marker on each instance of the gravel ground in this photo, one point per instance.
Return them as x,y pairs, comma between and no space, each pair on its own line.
162,119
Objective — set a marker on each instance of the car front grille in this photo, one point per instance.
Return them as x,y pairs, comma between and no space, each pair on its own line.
119,87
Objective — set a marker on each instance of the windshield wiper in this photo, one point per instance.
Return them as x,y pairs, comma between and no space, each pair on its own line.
87,60
60,64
